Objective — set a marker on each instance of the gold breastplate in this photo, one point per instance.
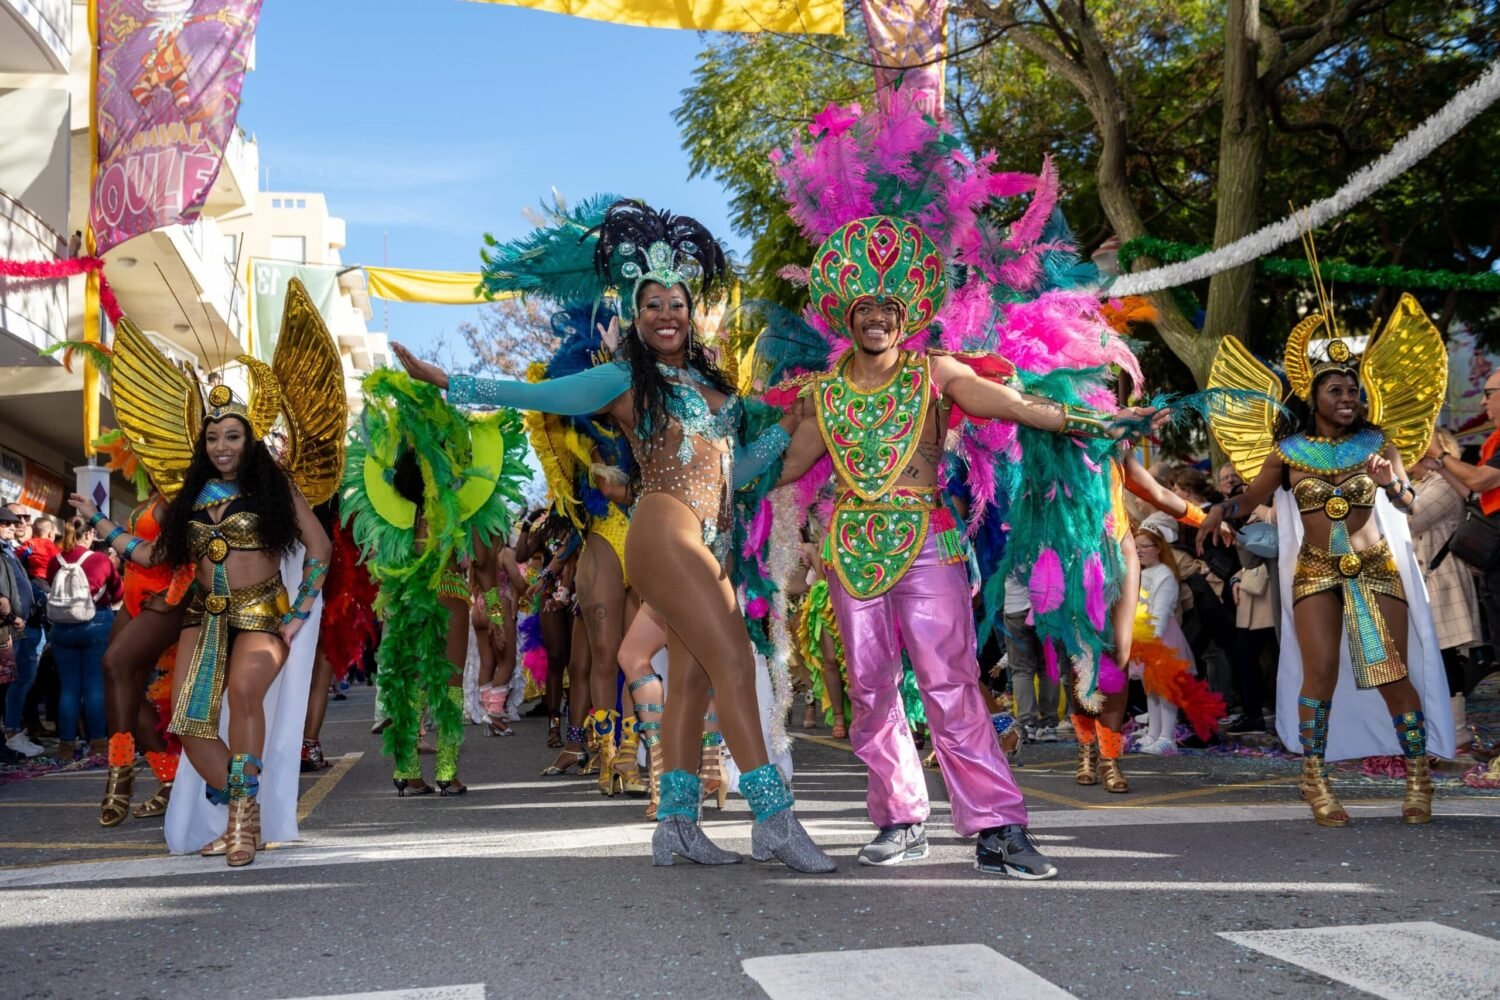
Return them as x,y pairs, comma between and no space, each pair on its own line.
1335,500
240,530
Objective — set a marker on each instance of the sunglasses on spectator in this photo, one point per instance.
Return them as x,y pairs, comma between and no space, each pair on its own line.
1487,392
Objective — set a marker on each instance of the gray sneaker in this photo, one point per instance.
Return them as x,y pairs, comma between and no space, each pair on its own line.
1009,850
895,844
1046,734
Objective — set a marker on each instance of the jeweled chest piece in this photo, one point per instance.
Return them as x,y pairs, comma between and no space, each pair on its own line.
1350,564
218,549
1336,507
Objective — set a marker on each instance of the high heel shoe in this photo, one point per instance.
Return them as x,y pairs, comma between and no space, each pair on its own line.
411,786
1088,764
657,766
156,805
625,766
117,788
452,787
554,732
1318,794
1113,778
242,836
592,750
839,730
566,763
1416,804
602,731
711,774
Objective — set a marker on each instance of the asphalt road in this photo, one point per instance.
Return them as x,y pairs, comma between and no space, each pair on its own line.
533,887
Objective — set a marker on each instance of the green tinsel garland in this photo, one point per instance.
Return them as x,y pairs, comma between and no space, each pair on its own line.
401,413
1335,271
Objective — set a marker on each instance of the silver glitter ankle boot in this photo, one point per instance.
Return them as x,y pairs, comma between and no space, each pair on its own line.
781,837
682,836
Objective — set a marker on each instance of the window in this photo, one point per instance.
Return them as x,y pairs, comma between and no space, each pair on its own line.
275,202
301,202
289,248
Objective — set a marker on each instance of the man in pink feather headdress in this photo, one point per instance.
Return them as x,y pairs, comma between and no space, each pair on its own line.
894,546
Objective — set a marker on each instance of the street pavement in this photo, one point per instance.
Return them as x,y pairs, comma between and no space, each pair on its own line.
1207,880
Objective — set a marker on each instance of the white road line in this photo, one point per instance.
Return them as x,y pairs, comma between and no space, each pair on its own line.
954,972
470,991
1064,884
1405,961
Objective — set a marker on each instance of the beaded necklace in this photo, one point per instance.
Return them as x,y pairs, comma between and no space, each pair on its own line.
1328,456
215,492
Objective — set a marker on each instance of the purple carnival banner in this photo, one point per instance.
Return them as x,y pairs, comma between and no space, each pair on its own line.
908,45
170,73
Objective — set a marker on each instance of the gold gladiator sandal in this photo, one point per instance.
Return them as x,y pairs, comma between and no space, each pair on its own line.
1318,794
242,836
1111,745
648,732
625,767
115,807
568,760
1416,804
1316,790
164,766
602,725
1088,749
117,788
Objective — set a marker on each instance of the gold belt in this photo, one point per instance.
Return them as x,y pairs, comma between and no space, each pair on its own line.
256,608
1360,576
453,586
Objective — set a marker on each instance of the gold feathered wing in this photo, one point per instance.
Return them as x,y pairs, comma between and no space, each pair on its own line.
1243,426
1405,375
310,377
159,408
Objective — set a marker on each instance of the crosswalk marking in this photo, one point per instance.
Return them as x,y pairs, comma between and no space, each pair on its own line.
469,991
1404,961
953,971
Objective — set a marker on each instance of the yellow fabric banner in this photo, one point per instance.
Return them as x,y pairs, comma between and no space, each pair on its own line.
402,284
804,17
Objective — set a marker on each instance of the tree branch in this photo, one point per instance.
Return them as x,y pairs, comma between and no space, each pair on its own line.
1326,32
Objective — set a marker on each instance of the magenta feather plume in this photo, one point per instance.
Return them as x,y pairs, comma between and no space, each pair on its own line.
1112,679
759,530
1047,584
1095,603
1028,228
1049,657
903,132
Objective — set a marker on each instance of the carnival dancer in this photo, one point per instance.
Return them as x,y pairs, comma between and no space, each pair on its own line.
682,419
894,549
1366,660
248,528
426,489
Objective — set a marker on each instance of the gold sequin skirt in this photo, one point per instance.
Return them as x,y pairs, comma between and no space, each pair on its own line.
1360,576
256,608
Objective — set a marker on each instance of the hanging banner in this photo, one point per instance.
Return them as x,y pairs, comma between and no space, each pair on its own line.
797,17
404,284
169,77
908,45
24,482
268,280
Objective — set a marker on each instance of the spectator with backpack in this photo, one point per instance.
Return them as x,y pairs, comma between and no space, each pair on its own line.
84,586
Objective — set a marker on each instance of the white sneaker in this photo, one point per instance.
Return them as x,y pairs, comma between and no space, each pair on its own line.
24,745
1143,718
1163,747
1064,730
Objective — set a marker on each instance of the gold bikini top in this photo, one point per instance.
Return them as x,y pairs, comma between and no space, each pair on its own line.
1335,500
240,530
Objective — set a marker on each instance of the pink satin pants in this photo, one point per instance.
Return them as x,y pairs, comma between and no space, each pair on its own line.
928,608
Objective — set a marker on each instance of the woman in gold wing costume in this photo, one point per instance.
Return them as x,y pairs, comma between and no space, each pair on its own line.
1350,591
248,529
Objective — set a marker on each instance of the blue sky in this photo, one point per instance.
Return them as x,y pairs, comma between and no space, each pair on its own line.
437,120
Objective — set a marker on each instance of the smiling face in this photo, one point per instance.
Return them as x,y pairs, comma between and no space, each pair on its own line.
1336,402
876,326
225,442
663,318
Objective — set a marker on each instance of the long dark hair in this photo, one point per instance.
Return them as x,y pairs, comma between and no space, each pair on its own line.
267,492
1301,416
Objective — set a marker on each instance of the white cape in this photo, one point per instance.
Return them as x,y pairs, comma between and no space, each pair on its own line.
191,821
1359,725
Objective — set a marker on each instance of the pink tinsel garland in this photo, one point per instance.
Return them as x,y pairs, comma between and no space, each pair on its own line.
41,270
